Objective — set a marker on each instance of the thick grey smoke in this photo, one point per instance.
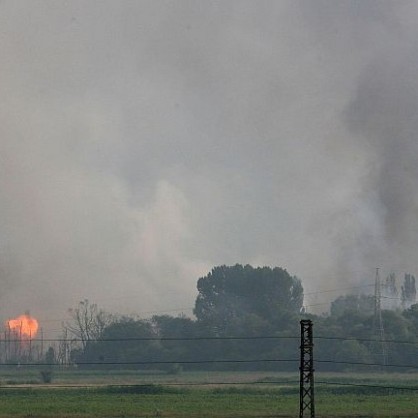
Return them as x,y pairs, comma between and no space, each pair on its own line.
142,143
384,113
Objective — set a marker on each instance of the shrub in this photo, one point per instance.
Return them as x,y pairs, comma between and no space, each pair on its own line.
46,376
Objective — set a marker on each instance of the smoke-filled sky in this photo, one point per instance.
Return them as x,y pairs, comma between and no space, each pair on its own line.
144,142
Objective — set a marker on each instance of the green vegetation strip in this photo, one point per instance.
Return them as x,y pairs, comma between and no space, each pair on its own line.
141,401
216,402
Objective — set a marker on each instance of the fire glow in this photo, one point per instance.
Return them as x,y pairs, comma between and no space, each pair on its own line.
25,326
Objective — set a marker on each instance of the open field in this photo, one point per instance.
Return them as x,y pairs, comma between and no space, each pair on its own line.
80,394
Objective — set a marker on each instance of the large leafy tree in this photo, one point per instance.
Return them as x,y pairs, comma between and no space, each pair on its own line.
230,294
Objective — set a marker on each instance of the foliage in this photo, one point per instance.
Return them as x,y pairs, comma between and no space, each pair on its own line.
409,291
363,304
118,345
206,401
236,308
46,376
411,314
229,293
232,301
50,356
400,332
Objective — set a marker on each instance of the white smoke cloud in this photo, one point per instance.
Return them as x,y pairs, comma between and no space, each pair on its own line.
142,143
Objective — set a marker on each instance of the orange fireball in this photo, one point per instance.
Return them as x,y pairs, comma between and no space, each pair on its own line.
25,326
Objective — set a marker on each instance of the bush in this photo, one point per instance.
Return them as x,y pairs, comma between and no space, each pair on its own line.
46,376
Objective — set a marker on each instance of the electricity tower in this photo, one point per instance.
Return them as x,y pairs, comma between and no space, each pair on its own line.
378,329
306,393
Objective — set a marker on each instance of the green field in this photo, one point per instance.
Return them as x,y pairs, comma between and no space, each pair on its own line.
202,394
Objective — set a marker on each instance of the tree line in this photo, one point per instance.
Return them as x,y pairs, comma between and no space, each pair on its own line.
246,318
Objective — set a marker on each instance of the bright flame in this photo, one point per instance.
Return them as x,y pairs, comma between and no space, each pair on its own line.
24,326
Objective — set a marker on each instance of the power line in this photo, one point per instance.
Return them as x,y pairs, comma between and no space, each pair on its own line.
188,308
132,363
160,384
337,290
368,386
353,363
222,383
258,382
317,304
261,337
211,338
220,361
366,340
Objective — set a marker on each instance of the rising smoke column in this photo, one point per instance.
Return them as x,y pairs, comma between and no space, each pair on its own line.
143,143
384,116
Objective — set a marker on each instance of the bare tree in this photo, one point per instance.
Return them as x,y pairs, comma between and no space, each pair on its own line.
64,348
88,322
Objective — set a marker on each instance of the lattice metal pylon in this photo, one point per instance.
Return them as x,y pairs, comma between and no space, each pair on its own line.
306,393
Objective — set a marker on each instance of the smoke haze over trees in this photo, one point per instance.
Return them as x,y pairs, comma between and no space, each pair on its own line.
143,142
240,310
246,319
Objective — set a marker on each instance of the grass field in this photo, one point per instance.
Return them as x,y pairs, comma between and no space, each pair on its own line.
79,394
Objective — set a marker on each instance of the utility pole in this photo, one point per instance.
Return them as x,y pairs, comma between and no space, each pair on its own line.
42,343
306,392
378,329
